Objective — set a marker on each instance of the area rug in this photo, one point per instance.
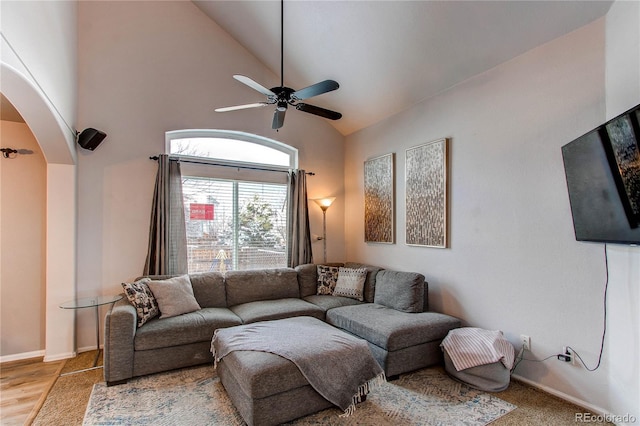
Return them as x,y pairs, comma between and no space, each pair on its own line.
195,396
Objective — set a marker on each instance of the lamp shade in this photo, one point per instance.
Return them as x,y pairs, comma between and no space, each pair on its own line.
324,203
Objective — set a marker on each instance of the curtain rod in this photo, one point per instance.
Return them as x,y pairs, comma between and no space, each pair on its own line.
211,163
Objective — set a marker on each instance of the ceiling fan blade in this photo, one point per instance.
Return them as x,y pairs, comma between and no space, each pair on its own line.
278,118
255,86
326,113
315,90
237,107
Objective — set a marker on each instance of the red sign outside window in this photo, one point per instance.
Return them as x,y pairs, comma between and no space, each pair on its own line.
201,211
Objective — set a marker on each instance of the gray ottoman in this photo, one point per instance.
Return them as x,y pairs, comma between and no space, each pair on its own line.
494,377
267,389
480,358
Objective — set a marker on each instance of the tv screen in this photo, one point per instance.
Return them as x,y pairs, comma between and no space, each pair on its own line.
602,169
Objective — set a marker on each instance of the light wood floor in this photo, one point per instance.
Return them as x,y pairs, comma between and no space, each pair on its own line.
24,386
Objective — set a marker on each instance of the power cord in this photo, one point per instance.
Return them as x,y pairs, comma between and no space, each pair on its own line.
522,358
573,351
604,326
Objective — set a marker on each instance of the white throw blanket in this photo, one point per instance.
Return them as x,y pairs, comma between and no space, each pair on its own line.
338,366
469,347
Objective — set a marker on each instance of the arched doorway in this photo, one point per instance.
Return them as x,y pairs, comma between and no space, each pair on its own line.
58,146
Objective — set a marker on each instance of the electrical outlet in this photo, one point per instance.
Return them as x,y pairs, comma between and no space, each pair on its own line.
566,355
569,353
526,342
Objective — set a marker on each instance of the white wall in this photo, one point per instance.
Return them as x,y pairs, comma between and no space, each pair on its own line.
513,262
22,220
61,339
149,67
622,74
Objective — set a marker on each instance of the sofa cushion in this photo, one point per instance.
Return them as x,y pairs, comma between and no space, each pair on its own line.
208,288
370,283
403,291
350,283
174,296
184,329
266,284
330,302
141,297
307,279
265,310
391,329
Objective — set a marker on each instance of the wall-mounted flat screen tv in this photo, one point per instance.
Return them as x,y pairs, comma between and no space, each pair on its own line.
602,169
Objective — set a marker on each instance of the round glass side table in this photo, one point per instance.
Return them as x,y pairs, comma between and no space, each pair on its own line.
92,302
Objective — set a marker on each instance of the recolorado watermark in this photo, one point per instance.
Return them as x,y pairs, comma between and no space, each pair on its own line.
600,418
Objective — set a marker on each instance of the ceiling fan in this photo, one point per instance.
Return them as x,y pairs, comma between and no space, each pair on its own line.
283,96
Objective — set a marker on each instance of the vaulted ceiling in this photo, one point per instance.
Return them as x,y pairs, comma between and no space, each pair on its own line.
390,55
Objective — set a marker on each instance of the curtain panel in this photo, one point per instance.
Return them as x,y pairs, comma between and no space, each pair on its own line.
298,231
167,253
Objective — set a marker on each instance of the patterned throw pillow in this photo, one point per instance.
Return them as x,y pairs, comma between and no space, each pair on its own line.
351,283
327,278
142,299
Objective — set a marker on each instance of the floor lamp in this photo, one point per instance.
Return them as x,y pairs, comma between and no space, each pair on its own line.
324,204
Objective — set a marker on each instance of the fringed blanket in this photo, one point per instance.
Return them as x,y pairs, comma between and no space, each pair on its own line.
338,366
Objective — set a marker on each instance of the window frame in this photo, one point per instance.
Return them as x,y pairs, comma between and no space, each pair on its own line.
233,135
233,171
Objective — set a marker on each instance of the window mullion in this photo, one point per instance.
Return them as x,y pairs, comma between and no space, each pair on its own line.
236,226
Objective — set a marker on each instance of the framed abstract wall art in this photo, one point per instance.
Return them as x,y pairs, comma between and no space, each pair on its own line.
379,199
426,194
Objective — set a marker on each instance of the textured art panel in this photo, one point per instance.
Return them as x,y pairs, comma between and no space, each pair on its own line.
624,158
379,199
426,194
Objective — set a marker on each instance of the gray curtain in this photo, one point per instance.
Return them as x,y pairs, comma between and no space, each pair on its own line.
167,254
298,233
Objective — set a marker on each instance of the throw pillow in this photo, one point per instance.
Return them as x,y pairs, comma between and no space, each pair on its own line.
142,299
327,278
351,283
402,291
174,296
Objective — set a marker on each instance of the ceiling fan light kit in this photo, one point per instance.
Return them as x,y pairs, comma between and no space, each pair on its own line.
283,96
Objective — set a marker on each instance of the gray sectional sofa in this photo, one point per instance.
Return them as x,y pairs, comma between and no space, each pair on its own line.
393,318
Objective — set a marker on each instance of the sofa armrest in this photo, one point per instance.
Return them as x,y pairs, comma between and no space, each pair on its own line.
119,333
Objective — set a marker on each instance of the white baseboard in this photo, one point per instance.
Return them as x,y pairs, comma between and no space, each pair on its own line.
19,357
59,357
577,401
88,348
46,358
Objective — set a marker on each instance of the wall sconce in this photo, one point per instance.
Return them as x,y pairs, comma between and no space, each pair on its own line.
324,204
13,153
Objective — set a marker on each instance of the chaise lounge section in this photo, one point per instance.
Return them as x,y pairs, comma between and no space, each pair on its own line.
392,318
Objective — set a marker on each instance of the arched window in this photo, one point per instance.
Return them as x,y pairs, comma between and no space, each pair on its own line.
236,148
235,195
